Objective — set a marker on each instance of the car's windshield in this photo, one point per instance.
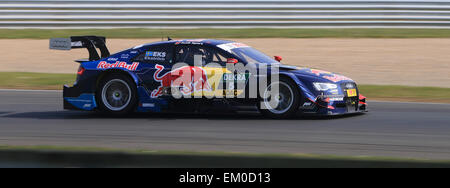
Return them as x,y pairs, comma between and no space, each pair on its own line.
247,53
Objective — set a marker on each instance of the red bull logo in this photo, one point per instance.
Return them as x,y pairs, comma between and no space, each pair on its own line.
336,78
332,77
189,79
118,64
318,72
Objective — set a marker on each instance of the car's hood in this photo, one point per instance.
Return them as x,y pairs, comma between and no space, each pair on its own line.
315,75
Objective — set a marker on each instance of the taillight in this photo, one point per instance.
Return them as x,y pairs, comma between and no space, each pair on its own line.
81,70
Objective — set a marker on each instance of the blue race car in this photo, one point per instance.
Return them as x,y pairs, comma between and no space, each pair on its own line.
146,78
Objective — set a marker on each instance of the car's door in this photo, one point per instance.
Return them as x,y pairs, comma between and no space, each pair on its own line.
156,62
211,73
193,78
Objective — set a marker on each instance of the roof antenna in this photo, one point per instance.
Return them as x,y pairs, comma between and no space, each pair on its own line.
169,39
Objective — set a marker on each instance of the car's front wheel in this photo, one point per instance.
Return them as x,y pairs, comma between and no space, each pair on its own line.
117,94
283,103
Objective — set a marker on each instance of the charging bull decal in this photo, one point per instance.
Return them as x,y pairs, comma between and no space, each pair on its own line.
189,79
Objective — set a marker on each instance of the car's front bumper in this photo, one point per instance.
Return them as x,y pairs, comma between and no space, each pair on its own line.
326,107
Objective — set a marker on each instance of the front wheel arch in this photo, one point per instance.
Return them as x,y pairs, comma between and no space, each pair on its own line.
293,108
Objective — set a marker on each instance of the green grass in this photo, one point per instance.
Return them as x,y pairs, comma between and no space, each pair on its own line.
44,81
14,80
406,93
227,33
61,156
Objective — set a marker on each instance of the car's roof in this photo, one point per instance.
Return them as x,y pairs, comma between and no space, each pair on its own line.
206,42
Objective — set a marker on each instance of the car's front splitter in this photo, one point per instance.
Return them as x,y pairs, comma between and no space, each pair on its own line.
327,107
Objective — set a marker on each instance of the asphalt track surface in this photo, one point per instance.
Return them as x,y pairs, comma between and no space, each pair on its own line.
416,130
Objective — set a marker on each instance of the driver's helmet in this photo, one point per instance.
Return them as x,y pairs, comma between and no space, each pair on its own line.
195,52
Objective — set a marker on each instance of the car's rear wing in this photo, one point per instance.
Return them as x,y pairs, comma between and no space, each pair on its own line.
91,43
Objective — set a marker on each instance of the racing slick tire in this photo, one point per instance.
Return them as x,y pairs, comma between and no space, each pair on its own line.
117,94
286,103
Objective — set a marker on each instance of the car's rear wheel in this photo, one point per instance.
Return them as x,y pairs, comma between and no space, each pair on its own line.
281,104
117,94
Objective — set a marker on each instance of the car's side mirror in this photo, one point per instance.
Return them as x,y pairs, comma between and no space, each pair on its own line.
278,58
232,60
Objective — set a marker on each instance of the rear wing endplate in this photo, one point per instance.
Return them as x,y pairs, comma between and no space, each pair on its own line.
91,43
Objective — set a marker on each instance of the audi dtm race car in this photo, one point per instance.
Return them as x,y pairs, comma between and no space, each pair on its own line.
177,76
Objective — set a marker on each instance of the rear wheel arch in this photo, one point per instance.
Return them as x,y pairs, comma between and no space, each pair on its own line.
107,73
110,76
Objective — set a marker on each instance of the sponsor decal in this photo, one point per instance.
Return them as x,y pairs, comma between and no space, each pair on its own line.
318,72
307,104
158,56
113,59
330,76
230,79
352,93
229,46
193,42
235,77
148,105
332,97
337,99
189,79
77,44
336,78
334,91
125,56
118,64
60,44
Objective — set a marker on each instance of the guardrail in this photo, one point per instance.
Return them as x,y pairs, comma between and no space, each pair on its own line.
224,14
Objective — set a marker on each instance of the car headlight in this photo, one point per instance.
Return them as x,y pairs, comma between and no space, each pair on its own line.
324,86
